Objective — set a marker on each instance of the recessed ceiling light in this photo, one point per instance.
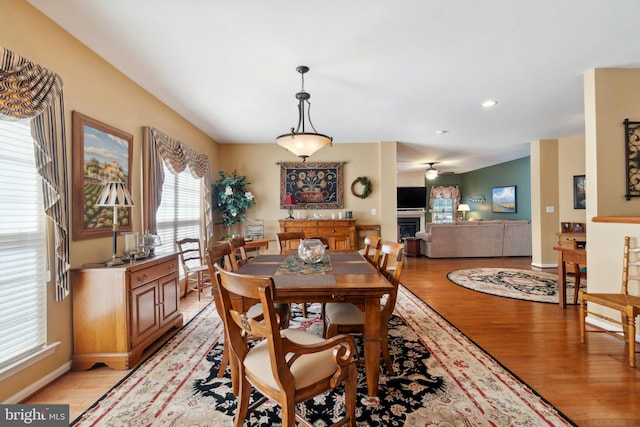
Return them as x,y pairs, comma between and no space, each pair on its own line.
441,131
489,103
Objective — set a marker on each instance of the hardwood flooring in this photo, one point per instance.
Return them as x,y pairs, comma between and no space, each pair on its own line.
590,383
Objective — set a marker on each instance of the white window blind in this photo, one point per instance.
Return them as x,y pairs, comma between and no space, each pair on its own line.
180,212
23,258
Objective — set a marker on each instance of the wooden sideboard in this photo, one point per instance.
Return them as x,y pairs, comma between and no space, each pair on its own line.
120,311
341,233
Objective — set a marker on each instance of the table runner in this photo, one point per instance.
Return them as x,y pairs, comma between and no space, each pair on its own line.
295,265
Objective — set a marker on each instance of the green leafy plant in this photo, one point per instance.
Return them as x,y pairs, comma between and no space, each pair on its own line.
231,198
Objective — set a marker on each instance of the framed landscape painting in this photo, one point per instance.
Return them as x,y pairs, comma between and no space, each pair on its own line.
503,199
101,153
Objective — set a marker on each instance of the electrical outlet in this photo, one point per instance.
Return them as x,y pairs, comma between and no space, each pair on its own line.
373,211
550,209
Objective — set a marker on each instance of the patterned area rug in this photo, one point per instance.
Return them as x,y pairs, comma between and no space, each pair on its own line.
443,379
527,285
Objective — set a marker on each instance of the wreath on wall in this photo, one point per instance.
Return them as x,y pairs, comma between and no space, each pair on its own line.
366,187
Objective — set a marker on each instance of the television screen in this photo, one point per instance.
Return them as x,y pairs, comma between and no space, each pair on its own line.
412,197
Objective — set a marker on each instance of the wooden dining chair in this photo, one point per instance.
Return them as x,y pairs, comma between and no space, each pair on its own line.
194,266
324,240
288,241
238,252
371,251
348,318
222,254
288,366
628,305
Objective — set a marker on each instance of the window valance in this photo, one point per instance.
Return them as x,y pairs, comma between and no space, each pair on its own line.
30,91
178,156
444,192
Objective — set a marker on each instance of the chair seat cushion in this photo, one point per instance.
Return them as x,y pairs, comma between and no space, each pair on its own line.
342,313
307,370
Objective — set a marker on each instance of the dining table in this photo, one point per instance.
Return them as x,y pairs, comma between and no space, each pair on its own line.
340,276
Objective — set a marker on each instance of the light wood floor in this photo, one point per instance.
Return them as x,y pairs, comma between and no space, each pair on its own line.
590,383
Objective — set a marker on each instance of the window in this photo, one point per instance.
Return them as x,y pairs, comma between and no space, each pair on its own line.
180,212
23,256
442,210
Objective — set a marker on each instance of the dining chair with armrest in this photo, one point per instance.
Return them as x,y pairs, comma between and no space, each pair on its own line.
222,254
288,366
339,318
628,305
193,265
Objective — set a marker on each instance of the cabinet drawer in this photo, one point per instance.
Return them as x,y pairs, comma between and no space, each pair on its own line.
146,275
333,231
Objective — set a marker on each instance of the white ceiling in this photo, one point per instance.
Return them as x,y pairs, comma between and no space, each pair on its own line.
381,70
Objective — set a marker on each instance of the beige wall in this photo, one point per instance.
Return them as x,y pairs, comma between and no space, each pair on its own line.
611,95
95,88
259,163
571,162
544,193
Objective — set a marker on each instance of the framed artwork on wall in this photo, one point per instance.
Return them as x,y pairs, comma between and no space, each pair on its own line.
312,185
579,195
503,199
101,153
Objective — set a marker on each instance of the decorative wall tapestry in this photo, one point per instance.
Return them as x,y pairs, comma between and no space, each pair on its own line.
313,185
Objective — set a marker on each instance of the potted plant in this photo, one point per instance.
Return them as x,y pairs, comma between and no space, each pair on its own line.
232,199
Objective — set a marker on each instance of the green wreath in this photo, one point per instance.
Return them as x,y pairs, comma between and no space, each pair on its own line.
366,187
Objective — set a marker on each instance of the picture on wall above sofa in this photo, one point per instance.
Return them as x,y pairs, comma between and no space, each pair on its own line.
503,199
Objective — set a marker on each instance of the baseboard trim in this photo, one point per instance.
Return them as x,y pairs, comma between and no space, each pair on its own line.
535,264
41,383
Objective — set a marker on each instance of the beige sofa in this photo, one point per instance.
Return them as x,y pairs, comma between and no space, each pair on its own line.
467,239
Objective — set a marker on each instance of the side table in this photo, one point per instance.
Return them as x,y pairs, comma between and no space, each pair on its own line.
411,246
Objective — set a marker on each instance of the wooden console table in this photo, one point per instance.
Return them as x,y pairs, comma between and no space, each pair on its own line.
120,311
340,233
576,256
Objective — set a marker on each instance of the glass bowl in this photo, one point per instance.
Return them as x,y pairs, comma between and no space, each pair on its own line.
311,250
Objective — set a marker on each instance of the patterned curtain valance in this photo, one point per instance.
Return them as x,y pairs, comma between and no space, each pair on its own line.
29,91
158,148
444,192
178,155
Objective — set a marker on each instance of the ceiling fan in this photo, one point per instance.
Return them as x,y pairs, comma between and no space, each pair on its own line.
431,172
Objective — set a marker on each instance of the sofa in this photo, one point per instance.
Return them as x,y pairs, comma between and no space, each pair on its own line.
468,239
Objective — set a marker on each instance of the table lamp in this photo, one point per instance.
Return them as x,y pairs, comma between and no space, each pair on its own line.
115,194
464,208
289,202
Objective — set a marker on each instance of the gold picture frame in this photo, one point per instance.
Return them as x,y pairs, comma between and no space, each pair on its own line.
100,153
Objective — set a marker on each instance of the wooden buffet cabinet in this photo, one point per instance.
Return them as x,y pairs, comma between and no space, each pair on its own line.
120,311
341,233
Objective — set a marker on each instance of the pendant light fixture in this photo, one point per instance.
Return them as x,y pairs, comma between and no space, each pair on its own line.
300,142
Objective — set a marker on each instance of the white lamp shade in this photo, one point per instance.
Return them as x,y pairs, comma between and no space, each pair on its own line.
115,194
463,208
303,144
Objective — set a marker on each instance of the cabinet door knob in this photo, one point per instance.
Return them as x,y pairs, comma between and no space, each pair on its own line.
333,231
142,278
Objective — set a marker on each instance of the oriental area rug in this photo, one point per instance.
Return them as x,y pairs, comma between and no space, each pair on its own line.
538,286
442,379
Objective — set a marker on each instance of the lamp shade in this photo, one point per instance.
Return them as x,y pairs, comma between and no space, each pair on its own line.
303,145
289,200
463,208
115,194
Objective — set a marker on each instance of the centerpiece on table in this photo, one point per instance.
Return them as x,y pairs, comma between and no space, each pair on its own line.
232,199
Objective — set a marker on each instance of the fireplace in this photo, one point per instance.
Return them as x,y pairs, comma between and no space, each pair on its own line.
408,227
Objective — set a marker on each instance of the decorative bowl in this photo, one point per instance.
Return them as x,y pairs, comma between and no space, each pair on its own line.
311,250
